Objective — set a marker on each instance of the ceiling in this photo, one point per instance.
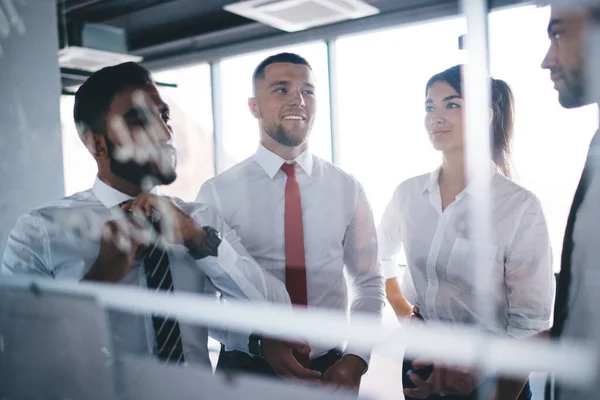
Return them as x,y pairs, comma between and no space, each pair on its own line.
159,29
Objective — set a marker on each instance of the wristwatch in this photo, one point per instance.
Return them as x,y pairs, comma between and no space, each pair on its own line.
255,345
209,246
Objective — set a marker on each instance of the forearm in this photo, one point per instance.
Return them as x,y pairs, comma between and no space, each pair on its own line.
99,273
401,306
368,302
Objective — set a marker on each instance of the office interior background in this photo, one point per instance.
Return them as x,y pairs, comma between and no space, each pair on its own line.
371,76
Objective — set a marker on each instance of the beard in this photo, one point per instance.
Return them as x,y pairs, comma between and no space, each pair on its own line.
573,94
282,136
138,174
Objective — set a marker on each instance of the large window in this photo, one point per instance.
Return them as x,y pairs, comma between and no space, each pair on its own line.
79,166
240,128
382,138
550,142
191,119
382,79
192,122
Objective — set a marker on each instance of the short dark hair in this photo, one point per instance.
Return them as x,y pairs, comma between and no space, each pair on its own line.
93,98
259,72
503,106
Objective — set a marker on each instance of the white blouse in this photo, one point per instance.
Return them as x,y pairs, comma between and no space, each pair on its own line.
440,278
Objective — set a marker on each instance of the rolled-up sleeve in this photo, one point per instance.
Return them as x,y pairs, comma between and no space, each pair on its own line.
364,269
528,274
234,273
389,238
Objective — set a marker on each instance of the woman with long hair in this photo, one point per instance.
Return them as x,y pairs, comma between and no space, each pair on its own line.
428,217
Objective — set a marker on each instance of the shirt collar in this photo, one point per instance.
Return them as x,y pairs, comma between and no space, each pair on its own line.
431,183
272,163
111,197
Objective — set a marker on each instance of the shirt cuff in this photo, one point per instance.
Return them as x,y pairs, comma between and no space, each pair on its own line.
365,355
390,269
527,329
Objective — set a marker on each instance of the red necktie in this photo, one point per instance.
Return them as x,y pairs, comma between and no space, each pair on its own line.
295,262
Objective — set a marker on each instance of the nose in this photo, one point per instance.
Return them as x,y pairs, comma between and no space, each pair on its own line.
298,98
549,61
160,131
166,132
436,117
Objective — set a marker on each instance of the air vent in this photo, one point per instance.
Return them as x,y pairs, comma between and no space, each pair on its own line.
91,60
297,15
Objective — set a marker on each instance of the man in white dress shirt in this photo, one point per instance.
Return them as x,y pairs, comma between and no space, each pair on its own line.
303,219
122,231
572,32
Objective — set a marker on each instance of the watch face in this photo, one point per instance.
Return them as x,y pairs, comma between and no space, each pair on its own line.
215,236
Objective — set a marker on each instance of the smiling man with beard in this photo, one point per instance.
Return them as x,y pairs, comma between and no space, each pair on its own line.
133,235
305,221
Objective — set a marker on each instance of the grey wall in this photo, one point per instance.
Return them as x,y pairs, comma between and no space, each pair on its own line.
31,168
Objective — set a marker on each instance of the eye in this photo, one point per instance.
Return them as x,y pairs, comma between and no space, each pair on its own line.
166,118
556,36
140,121
428,109
309,92
453,105
281,90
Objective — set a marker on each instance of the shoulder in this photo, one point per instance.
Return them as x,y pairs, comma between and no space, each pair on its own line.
411,186
233,174
513,193
53,211
334,174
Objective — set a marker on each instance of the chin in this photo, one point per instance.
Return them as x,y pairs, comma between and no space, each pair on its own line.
439,145
167,180
569,102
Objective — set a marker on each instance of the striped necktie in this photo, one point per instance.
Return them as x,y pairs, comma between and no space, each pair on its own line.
158,277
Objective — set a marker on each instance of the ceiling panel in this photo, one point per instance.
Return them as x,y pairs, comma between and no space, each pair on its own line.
164,28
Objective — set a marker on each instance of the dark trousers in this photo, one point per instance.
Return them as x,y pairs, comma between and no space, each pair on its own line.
407,383
242,362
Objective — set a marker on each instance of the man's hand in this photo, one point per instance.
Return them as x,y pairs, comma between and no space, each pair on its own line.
121,240
443,380
281,359
174,225
346,372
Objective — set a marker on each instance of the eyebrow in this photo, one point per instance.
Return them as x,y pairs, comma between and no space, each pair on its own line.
137,112
553,23
454,96
286,83
279,83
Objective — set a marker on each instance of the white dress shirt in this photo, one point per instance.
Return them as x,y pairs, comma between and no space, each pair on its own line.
440,279
62,240
338,228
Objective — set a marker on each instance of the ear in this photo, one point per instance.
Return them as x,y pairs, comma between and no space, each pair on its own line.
95,144
253,106
491,112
